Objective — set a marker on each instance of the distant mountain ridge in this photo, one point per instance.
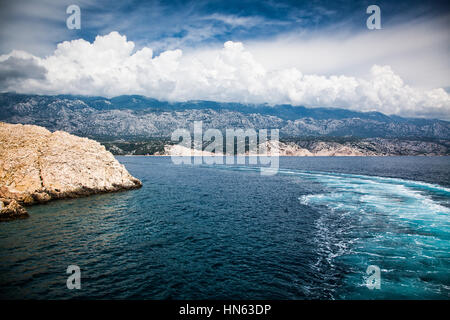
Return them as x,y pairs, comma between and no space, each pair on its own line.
140,117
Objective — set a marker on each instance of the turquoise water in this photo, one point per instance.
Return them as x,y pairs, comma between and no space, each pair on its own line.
227,232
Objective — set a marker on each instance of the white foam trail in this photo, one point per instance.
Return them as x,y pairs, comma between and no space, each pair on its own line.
400,224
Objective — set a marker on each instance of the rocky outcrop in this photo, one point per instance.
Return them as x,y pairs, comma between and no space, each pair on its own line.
37,166
12,211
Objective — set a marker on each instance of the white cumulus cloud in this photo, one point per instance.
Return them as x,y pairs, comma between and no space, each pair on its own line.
111,66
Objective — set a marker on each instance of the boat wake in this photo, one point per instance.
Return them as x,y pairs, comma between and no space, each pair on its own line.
402,226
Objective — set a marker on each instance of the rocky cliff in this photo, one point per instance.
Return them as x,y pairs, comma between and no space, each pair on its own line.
37,166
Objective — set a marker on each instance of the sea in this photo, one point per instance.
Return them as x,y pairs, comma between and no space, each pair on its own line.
320,228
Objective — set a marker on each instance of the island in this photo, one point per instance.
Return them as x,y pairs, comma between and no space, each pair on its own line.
37,166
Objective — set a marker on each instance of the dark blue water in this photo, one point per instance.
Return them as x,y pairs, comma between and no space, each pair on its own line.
227,232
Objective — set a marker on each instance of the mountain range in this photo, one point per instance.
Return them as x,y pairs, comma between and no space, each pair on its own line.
139,117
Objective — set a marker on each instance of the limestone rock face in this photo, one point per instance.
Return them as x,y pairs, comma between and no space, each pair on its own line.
37,165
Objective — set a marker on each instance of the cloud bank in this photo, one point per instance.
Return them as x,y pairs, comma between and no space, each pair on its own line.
110,66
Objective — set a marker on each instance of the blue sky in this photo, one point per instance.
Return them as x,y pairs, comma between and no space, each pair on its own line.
322,46
37,26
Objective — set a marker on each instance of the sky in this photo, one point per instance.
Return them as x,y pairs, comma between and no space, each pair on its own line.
309,53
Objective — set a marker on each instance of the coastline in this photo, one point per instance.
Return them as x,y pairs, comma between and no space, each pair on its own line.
285,155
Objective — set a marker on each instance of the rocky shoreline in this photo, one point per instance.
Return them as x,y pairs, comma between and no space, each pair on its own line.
37,166
298,148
